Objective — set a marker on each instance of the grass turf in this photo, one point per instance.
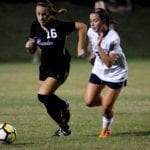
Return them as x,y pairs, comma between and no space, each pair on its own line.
19,106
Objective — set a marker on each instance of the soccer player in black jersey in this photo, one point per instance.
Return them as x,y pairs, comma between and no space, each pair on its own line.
49,35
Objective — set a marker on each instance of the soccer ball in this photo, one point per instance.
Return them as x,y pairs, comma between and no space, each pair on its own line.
7,133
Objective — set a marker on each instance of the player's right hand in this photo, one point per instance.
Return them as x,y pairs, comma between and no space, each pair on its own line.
30,46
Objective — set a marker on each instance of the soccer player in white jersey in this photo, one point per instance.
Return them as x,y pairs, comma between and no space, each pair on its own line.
109,70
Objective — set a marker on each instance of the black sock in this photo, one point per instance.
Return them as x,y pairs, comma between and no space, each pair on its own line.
54,105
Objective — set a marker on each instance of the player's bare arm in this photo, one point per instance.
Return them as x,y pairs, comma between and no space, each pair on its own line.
82,29
108,59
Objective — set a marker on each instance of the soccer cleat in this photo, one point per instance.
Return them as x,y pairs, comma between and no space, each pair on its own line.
66,113
61,132
105,133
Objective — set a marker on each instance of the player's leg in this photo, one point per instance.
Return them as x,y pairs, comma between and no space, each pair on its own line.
53,103
46,96
92,96
108,115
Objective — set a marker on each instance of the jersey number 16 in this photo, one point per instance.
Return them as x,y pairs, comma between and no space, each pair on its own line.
51,34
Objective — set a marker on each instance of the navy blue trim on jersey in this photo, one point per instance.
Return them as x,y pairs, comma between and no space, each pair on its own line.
94,79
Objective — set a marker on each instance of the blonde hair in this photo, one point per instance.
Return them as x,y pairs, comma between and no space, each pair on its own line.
49,5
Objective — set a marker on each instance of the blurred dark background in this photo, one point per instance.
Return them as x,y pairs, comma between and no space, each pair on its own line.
82,2
17,16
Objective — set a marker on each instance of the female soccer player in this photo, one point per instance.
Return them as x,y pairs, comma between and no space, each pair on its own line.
109,70
50,34
99,4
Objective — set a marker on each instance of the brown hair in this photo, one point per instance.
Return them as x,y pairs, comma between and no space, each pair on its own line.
50,7
102,14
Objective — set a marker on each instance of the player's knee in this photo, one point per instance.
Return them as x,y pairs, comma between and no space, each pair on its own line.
87,101
89,104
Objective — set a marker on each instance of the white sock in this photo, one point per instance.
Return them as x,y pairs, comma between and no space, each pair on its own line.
107,123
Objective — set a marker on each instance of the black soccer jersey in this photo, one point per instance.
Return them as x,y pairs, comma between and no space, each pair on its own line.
52,42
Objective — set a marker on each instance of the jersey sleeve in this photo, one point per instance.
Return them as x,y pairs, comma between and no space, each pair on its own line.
67,27
115,45
88,34
32,30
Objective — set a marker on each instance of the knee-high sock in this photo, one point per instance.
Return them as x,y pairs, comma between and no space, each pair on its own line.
53,105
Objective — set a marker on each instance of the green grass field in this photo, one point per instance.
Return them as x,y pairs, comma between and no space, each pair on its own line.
19,106
19,86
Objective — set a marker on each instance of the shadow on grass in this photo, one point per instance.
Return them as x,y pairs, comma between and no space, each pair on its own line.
21,143
139,133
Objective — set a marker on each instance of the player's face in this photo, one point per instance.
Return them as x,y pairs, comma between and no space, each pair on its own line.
43,15
95,22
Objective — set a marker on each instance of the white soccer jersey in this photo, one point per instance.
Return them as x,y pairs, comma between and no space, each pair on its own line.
118,72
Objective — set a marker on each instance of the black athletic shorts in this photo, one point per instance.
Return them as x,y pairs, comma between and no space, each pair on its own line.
94,79
58,75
